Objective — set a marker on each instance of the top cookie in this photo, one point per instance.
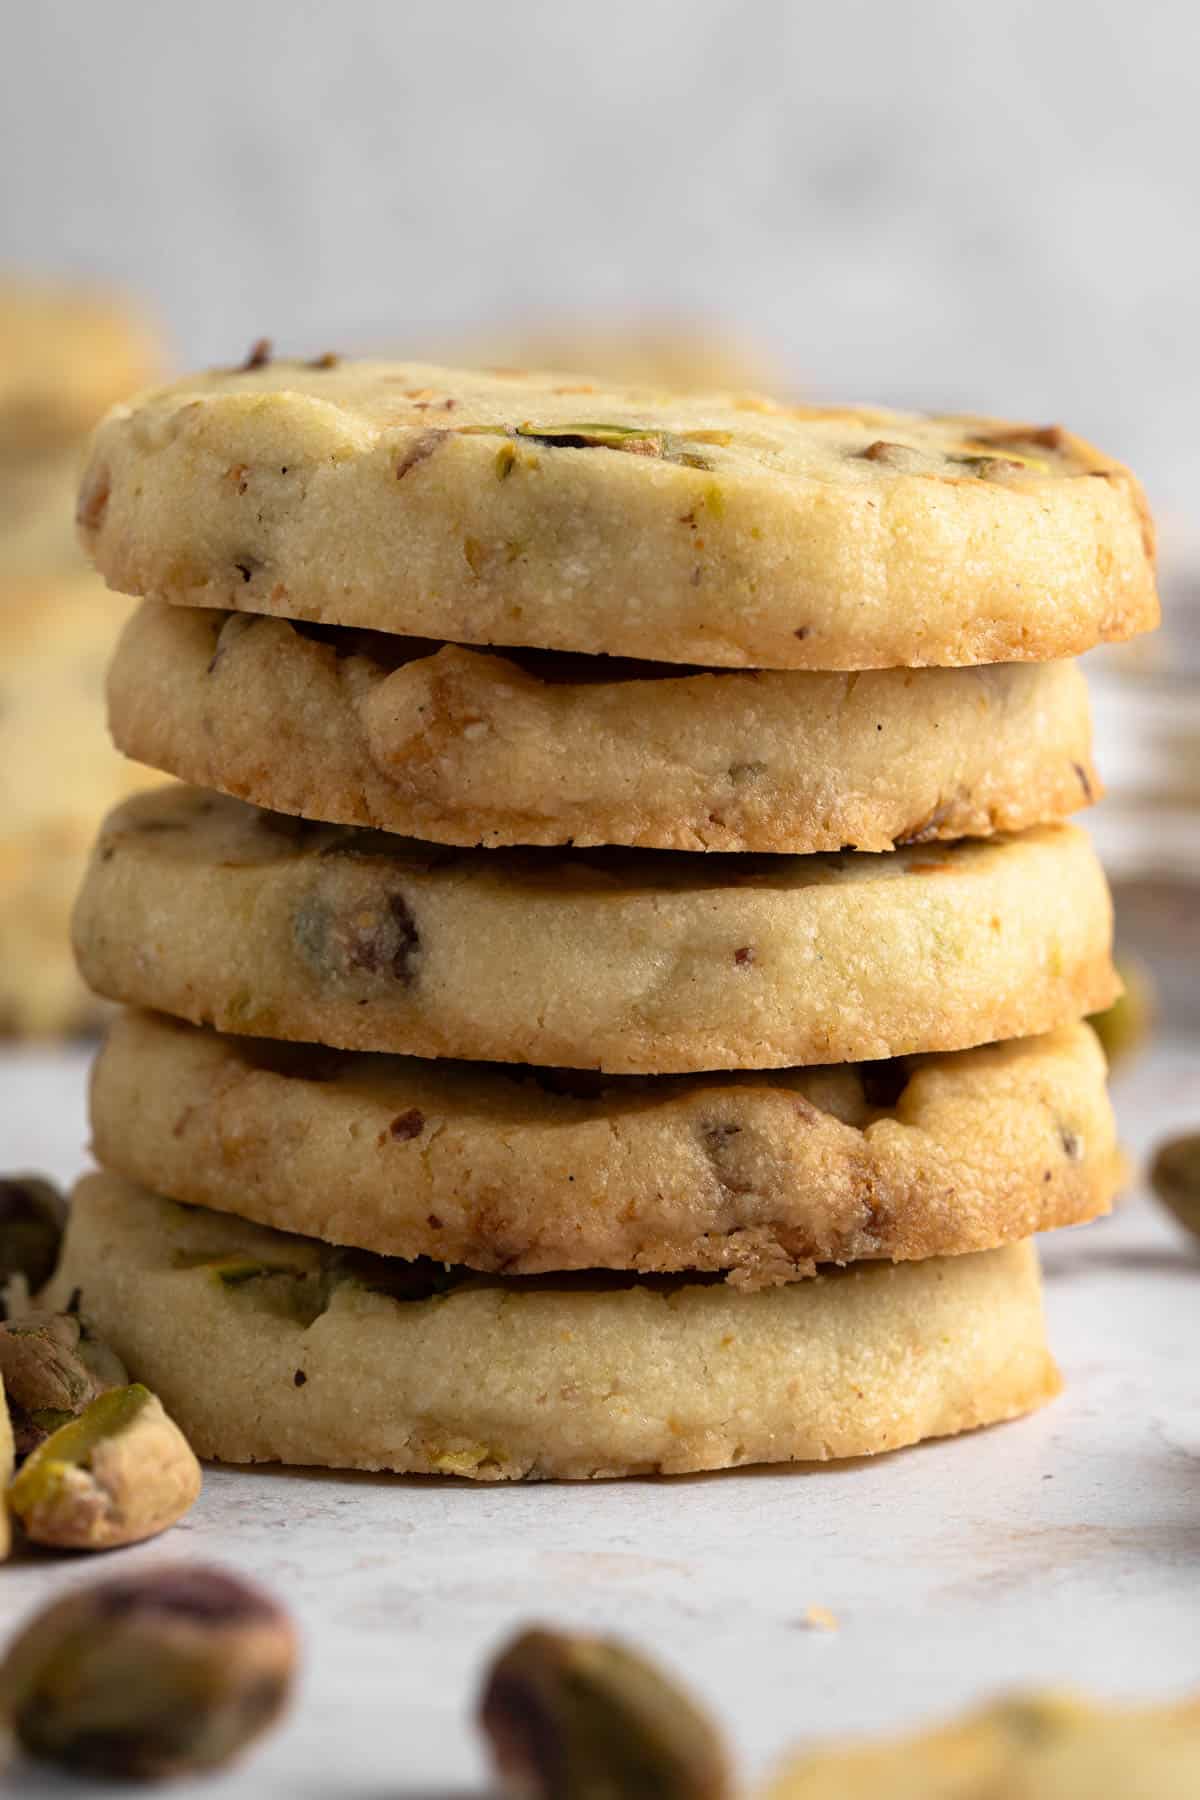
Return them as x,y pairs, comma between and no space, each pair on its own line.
538,510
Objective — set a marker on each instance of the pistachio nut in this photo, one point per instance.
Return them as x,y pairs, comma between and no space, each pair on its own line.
1175,1178
583,1718
118,1473
32,1216
169,1671
52,1368
1124,1027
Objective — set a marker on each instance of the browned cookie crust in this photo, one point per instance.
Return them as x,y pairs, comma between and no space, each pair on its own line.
533,747
523,1171
270,1348
638,962
532,509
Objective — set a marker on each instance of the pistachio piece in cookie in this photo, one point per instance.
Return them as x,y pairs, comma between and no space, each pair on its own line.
716,529
634,962
465,746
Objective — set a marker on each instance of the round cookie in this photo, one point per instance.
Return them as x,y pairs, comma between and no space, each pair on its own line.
262,1348
463,747
533,509
524,1171
631,961
58,776
1047,1746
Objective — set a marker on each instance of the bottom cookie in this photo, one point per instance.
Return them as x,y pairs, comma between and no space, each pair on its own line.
271,1348
1030,1747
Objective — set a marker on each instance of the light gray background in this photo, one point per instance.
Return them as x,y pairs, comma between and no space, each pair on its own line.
920,200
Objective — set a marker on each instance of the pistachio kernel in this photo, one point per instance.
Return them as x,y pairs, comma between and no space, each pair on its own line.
166,1672
120,1472
32,1216
582,1718
1175,1178
635,440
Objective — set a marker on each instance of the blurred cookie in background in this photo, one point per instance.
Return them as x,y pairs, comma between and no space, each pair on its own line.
691,355
67,352
58,775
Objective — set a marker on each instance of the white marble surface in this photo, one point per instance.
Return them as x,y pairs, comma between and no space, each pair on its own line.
1064,1546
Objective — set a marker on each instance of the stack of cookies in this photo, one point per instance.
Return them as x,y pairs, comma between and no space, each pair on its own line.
647,1046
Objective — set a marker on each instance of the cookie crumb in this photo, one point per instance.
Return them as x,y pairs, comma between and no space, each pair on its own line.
819,1618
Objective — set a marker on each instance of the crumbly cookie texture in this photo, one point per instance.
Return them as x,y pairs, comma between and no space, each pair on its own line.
465,747
58,776
67,352
1032,1747
265,1349
634,962
534,509
524,1171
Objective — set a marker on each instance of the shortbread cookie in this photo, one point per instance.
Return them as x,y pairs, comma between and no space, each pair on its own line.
632,961
67,352
58,776
541,747
532,509
523,1171
1035,1747
265,1347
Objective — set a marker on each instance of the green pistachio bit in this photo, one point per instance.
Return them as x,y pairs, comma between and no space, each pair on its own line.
120,1472
1175,1178
47,1420
166,1671
506,458
32,1216
582,1718
233,1269
74,1442
640,440
1124,1027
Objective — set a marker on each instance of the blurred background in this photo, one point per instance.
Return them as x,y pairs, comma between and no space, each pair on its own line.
934,204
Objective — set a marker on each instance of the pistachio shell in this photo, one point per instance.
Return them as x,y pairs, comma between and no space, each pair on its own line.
582,1718
166,1672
